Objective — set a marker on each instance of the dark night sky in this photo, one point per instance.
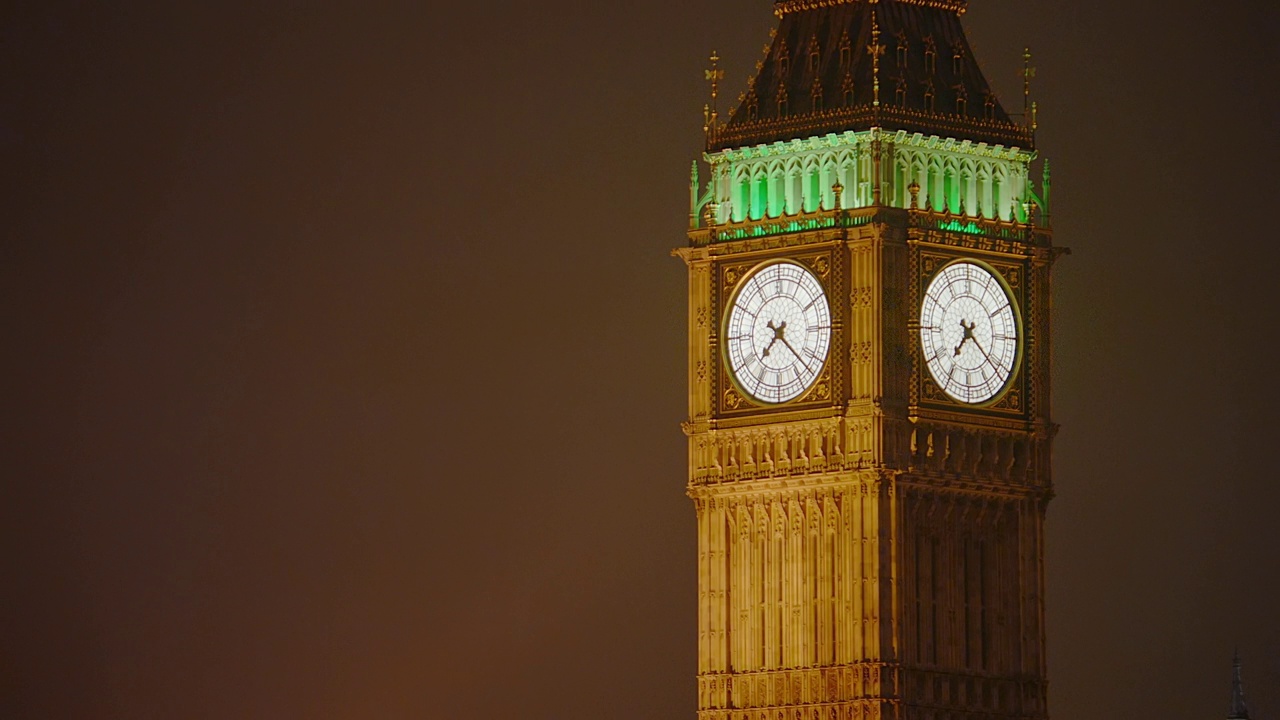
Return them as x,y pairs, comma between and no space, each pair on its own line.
345,354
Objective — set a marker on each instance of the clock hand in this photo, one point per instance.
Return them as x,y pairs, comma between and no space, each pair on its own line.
968,335
986,355
778,330
793,352
980,348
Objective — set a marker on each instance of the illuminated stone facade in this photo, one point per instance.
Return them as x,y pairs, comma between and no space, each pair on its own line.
871,549
784,179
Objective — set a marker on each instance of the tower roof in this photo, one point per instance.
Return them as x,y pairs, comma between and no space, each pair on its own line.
1238,709
822,74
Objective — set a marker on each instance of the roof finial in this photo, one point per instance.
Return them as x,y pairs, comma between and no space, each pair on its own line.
1238,709
876,50
710,115
1028,72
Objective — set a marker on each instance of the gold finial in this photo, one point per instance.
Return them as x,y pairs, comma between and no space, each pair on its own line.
710,114
837,191
876,50
1028,72
914,189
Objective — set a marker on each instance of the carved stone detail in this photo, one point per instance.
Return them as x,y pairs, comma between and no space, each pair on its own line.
860,298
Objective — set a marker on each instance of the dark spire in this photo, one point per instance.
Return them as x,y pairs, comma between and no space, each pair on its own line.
837,65
1238,709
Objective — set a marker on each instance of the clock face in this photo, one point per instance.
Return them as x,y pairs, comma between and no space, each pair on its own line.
778,332
969,332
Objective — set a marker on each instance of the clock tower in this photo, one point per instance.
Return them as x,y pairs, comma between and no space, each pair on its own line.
869,410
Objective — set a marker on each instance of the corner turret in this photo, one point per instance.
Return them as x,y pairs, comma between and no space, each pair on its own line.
1238,709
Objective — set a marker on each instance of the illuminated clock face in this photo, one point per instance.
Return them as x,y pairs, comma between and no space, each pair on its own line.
778,332
969,332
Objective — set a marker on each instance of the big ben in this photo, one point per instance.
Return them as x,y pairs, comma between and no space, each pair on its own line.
869,400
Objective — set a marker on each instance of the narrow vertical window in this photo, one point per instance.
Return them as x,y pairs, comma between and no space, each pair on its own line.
936,595
967,611
984,568
920,584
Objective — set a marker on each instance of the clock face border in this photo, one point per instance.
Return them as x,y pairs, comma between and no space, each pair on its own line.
730,398
1011,398
727,346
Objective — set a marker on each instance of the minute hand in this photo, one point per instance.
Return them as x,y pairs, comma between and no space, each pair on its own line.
983,351
798,355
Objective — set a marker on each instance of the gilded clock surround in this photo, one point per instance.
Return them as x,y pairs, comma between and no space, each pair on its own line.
732,400
1010,275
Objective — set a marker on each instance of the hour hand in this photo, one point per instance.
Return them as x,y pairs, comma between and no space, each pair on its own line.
778,331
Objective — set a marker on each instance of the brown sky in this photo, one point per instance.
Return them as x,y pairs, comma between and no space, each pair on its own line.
345,354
